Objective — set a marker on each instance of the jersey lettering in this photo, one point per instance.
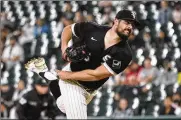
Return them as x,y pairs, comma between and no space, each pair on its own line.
22,101
106,57
133,14
116,64
116,57
87,59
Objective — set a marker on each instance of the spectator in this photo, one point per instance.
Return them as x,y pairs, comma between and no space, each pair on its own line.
130,78
127,83
18,93
3,68
5,22
90,17
165,13
167,108
12,54
7,103
176,98
106,20
179,81
35,101
1,46
105,3
148,74
176,14
59,26
146,78
120,78
161,40
67,7
4,33
136,41
41,27
79,17
67,18
26,38
122,110
106,9
168,76
26,33
147,40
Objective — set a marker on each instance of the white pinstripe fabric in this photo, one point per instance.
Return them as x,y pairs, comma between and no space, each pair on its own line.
73,98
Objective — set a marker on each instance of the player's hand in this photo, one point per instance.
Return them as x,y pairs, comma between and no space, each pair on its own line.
63,75
64,54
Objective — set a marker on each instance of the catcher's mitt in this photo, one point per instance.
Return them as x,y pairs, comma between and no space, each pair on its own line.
77,53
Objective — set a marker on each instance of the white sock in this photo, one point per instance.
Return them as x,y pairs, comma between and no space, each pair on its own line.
48,76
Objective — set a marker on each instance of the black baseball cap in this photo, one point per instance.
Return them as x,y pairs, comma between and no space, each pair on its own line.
41,82
128,15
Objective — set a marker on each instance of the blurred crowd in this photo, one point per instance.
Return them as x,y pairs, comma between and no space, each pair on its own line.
151,85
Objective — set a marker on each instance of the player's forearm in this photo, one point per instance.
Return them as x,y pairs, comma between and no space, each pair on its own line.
85,75
66,37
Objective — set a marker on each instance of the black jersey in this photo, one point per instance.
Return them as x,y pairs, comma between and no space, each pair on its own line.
32,104
115,58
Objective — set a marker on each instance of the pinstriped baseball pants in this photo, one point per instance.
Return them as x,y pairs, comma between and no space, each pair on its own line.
74,99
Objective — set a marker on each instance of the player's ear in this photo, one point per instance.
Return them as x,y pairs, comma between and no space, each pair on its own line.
116,22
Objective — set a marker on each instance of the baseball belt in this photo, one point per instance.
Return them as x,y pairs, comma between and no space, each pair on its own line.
89,93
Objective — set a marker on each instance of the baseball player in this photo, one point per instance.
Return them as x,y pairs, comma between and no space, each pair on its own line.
96,53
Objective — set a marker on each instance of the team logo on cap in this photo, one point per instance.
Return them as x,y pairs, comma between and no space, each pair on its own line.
133,14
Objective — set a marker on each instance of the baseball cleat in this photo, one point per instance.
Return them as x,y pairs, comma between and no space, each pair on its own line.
37,65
